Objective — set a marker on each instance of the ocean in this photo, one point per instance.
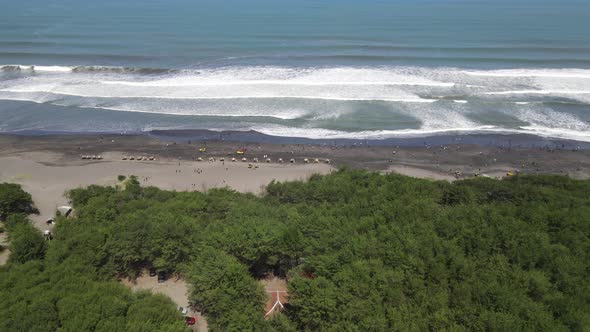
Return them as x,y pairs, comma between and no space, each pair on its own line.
366,69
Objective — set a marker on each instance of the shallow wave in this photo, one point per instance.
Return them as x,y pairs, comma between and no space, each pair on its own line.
291,116
74,56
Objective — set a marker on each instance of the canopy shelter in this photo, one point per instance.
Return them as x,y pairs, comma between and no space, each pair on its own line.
65,210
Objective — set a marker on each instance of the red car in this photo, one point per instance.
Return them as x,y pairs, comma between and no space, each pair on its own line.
189,320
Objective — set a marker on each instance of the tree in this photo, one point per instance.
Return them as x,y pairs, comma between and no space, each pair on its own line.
223,289
26,243
361,252
13,199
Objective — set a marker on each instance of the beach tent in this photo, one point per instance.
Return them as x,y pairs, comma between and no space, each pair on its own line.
65,210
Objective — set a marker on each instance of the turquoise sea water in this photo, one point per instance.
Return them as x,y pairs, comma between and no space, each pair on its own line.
331,68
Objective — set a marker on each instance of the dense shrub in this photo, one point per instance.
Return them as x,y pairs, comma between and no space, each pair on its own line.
361,251
26,242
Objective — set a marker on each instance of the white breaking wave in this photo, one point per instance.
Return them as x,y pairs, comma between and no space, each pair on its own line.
554,73
320,133
556,132
284,115
56,92
57,69
168,83
436,99
539,92
543,117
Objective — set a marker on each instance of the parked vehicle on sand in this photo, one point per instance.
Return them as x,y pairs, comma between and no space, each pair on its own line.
161,276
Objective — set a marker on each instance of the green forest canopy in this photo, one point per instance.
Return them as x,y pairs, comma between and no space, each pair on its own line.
362,252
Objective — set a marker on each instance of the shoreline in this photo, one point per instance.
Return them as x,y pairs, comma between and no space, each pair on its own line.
499,139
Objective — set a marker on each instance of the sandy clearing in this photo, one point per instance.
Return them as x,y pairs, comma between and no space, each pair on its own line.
175,289
276,289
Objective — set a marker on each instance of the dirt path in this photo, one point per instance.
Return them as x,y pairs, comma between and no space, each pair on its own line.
4,247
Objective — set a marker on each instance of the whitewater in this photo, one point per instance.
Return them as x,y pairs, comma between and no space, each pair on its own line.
338,102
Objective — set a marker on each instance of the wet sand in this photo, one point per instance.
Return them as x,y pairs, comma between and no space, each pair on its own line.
469,154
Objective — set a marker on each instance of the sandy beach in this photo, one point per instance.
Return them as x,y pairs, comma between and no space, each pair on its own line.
48,175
